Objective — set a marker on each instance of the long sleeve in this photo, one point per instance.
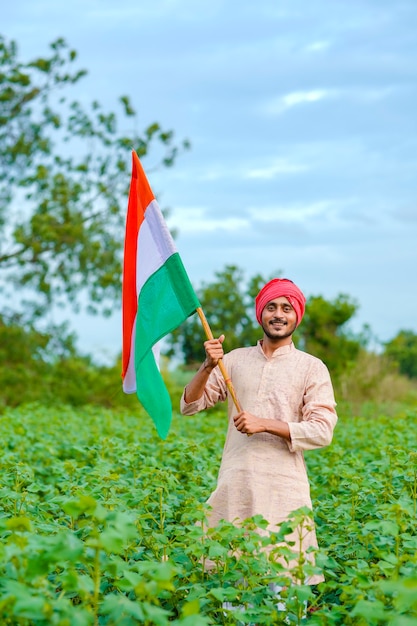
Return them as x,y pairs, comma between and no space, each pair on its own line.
319,418
215,391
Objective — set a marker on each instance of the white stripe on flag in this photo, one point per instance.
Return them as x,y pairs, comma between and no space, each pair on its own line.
155,245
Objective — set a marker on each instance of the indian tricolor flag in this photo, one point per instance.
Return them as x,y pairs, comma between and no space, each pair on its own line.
157,298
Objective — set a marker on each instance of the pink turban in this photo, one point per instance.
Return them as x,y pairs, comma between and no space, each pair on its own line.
276,288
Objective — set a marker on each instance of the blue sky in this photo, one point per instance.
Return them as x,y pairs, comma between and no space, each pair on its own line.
302,120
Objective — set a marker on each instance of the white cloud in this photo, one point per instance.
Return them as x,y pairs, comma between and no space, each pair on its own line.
212,173
278,105
277,168
198,220
291,213
301,97
363,95
318,46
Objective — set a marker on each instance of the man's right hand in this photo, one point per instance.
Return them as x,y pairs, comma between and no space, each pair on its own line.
214,352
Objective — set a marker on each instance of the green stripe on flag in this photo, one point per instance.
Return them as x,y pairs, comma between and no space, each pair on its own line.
165,301
153,395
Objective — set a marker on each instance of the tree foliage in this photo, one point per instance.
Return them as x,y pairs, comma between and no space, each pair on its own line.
64,175
402,350
323,332
45,367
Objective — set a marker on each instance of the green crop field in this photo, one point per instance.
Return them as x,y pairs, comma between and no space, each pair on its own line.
103,523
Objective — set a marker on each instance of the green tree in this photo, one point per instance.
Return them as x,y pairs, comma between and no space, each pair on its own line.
24,359
45,367
323,332
402,350
64,175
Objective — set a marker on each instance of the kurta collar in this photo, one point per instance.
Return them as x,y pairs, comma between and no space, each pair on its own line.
279,351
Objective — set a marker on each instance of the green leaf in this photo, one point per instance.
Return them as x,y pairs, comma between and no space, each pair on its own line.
19,524
373,611
190,608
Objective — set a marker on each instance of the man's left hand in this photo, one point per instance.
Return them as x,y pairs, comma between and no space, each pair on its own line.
249,424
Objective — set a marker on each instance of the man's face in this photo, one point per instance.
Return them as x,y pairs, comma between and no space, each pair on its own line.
279,320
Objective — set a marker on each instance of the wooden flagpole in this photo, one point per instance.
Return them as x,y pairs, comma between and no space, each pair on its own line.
222,368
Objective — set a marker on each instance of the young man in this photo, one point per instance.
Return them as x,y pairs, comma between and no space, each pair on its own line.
288,407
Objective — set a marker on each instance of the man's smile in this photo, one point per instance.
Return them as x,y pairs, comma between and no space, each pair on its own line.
278,323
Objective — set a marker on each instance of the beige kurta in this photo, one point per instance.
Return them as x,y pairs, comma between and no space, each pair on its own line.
264,474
